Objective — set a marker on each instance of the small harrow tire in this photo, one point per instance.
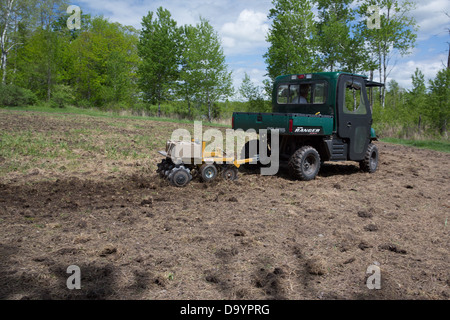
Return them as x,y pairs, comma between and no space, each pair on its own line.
230,173
208,172
370,162
304,164
180,177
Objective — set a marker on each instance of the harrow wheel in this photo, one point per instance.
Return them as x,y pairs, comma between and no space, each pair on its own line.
230,173
208,172
180,176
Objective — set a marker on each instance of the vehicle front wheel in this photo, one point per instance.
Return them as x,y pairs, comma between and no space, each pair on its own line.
304,164
370,162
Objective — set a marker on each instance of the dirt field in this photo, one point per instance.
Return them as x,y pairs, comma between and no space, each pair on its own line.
79,190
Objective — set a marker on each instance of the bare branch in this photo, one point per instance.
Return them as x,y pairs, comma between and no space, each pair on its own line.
15,44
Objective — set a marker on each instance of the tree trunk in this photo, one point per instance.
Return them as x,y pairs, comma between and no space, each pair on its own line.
209,106
371,92
189,107
384,53
188,102
3,41
4,57
49,84
379,70
448,59
4,54
209,111
383,96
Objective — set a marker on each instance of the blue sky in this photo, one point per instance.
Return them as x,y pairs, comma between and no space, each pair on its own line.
243,25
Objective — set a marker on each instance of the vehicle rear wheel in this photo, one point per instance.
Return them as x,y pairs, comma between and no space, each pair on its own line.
370,162
208,172
304,164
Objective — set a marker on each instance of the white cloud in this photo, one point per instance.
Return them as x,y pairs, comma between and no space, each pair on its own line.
132,12
402,72
431,18
246,33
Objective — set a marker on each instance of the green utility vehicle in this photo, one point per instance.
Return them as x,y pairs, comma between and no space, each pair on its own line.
320,117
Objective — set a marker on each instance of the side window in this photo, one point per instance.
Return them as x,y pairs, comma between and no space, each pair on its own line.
283,94
353,99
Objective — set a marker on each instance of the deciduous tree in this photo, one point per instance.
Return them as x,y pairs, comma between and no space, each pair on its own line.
292,38
206,69
160,53
396,35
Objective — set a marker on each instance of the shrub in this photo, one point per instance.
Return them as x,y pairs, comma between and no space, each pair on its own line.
62,96
14,96
85,104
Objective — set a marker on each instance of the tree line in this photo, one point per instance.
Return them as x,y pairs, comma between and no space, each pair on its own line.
422,110
167,69
107,65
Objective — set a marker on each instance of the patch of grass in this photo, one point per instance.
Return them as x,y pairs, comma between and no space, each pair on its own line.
437,145
26,143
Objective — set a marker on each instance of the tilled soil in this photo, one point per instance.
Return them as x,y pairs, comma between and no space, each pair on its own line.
134,236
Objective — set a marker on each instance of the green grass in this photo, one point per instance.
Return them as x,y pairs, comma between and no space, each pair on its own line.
438,145
100,113
27,143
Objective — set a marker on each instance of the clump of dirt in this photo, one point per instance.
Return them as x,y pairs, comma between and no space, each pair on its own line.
316,266
371,227
271,282
393,248
365,214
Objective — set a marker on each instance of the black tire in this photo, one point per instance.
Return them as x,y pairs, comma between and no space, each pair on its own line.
208,172
230,173
180,178
304,164
370,162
